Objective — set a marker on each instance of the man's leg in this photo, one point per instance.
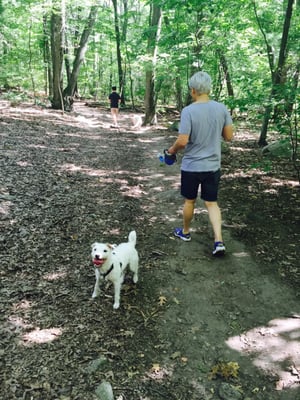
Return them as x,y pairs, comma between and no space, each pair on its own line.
188,213
215,218
189,190
114,116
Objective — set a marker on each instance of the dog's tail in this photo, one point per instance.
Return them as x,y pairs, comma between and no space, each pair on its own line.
132,238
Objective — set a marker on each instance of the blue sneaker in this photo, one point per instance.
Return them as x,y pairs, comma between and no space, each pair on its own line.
219,249
178,232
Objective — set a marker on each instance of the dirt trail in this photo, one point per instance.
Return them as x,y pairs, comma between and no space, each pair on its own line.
193,328
224,310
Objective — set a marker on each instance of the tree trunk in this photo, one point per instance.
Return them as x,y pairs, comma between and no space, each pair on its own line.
70,89
277,76
227,76
118,45
57,38
152,49
224,65
178,88
291,98
48,86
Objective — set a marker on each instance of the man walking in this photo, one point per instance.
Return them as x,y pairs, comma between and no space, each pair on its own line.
114,99
203,124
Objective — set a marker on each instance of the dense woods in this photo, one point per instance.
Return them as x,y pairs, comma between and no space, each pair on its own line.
68,49
194,327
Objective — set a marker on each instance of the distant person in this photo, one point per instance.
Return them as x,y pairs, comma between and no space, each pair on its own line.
114,99
202,126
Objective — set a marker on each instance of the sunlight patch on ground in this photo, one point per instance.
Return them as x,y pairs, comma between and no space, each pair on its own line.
279,182
54,276
275,349
88,171
243,174
132,191
241,149
37,146
265,178
18,322
158,189
39,336
171,178
241,254
149,140
90,122
24,164
158,175
271,191
5,207
52,134
23,305
198,210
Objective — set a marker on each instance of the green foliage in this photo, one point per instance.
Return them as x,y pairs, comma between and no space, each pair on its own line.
264,165
193,33
225,370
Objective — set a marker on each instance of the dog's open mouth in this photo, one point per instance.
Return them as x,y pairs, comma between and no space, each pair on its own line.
98,261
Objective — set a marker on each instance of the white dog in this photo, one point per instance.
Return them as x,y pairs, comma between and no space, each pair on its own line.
110,262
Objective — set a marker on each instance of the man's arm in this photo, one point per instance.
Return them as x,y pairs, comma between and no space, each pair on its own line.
179,144
227,133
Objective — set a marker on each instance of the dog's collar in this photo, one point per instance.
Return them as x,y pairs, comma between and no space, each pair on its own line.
108,271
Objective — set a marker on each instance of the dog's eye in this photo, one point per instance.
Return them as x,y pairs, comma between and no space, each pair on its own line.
105,251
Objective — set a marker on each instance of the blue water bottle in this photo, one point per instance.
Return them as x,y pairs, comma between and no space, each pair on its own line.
161,159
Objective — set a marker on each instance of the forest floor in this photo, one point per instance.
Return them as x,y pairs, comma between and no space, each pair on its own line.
193,327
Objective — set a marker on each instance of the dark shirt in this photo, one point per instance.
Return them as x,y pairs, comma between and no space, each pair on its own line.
114,98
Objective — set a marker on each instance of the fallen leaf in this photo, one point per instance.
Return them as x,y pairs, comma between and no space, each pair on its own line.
175,355
162,300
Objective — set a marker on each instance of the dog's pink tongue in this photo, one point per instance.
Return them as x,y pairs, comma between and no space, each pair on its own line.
98,262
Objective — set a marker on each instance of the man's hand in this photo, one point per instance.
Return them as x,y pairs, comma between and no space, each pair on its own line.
169,158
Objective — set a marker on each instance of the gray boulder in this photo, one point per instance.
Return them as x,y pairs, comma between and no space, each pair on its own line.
104,391
278,149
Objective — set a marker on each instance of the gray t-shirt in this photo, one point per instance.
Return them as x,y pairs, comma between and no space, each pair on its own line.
204,123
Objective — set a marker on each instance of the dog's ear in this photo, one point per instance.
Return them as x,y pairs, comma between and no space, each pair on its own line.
111,246
93,245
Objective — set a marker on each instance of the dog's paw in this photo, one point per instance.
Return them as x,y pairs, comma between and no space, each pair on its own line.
135,278
95,294
116,306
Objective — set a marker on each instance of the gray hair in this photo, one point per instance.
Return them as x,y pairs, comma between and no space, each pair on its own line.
201,82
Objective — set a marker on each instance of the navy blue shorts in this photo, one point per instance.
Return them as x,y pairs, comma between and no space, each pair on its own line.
209,182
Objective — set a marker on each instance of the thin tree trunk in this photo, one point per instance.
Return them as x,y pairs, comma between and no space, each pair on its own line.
294,87
57,35
48,86
80,54
118,45
178,88
30,59
150,95
277,76
227,75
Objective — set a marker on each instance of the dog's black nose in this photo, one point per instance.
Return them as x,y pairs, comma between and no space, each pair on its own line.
97,257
